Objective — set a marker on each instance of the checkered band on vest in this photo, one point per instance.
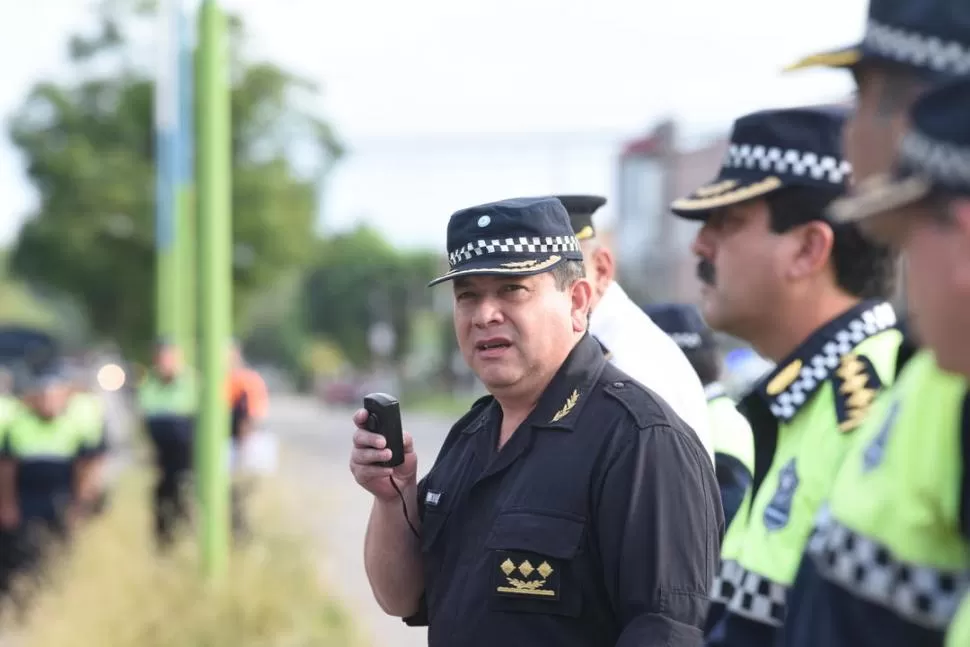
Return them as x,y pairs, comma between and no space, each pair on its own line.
919,50
726,582
923,595
523,244
939,160
758,598
871,322
788,162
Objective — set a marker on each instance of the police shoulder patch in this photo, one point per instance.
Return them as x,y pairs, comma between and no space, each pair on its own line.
855,385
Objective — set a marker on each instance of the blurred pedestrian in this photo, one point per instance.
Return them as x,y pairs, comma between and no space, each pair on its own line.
48,465
168,399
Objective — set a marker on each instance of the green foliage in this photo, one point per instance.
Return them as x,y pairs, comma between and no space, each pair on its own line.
360,279
88,145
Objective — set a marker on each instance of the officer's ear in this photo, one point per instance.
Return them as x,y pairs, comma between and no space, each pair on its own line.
581,294
812,249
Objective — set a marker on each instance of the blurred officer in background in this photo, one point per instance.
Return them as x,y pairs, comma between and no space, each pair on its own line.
168,400
87,404
891,556
249,402
811,296
48,465
733,442
569,507
632,342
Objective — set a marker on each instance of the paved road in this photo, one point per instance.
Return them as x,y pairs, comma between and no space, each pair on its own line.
315,450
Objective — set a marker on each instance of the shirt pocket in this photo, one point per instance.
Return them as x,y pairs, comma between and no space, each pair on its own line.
533,560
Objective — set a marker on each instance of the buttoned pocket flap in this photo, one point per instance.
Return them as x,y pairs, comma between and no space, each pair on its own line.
533,559
552,534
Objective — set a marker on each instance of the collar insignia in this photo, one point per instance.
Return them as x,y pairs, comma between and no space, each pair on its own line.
566,408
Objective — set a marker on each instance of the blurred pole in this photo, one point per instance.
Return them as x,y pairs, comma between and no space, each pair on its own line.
215,276
185,227
166,123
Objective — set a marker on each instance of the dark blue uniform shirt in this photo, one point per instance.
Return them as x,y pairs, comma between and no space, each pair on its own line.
597,524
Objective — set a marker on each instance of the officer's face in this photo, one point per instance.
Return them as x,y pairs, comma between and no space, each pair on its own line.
167,361
935,240
514,332
872,132
742,264
49,401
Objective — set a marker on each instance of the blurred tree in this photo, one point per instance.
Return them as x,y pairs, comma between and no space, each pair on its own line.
88,146
358,280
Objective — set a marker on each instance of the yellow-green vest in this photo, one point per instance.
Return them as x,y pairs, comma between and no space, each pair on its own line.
817,397
730,430
179,397
891,532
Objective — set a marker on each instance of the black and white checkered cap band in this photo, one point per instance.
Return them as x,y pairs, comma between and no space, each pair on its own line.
760,599
521,245
939,161
781,161
815,371
923,595
918,50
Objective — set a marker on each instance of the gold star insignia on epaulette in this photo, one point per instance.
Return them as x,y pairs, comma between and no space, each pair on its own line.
856,389
566,408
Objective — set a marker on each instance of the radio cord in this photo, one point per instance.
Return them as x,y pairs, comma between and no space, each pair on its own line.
404,505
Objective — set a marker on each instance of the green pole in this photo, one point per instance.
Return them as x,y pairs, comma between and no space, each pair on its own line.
185,228
215,276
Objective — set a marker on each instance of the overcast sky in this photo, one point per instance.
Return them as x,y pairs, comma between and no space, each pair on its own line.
470,68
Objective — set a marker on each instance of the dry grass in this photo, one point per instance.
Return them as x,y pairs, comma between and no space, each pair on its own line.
112,590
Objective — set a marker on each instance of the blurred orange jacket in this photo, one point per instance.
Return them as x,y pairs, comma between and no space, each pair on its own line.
248,394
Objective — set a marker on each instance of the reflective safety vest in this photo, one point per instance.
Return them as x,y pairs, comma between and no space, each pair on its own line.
89,410
45,452
802,415
730,430
178,397
958,635
891,534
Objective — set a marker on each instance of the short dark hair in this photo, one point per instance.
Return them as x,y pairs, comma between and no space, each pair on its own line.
862,268
565,274
706,363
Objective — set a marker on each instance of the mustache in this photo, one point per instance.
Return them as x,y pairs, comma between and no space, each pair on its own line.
706,272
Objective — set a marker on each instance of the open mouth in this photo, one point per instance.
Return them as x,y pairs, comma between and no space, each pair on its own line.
492,344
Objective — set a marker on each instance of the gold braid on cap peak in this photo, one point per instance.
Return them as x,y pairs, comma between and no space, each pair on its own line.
705,201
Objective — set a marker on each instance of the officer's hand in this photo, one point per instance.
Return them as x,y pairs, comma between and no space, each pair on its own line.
9,516
370,448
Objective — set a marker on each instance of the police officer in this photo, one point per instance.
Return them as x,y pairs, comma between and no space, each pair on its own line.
891,557
168,399
733,442
633,342
908,47
811,296
88,406
571,506
48,460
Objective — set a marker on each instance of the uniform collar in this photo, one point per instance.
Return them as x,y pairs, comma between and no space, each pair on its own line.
560,404
796,378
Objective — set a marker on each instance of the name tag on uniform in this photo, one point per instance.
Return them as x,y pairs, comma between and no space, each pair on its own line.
432,498
520,574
